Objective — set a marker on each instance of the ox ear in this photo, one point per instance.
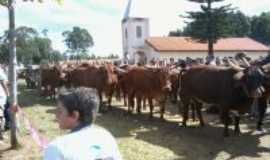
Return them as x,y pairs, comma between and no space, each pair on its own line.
238,75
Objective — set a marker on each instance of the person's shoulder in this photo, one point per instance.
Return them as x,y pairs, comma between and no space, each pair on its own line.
55,143
53,151
57,146
99,131
61,141
103,138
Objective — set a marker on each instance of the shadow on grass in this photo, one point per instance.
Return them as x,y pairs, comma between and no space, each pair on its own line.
5,150
31,97
192,142
189,143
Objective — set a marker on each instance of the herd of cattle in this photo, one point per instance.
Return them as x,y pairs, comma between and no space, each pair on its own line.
232,86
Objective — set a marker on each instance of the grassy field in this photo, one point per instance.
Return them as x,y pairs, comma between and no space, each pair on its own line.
142,139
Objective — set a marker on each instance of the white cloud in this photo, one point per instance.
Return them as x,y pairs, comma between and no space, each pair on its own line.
102,18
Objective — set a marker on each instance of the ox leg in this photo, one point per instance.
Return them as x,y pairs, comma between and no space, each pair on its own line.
101,101
226,121
198,107
175,97
236,124
50,92
47,92
54,92
162,109
139,104
130,102
185,112
125,99
144,103
118,93
262,102
110,94
110,102
194,106
150,100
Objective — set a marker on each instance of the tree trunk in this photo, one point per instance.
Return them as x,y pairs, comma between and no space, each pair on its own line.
210,32
210,48
12,71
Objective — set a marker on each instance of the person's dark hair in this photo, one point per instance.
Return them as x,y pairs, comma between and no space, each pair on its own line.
83,100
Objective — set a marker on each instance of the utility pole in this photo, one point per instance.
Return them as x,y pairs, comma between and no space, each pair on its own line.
12,71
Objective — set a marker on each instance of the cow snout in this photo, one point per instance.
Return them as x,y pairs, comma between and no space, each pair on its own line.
258,92
167,87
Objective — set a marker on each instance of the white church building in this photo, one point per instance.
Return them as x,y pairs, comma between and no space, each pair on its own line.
139,46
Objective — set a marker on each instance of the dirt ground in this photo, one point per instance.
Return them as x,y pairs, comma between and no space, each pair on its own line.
140,138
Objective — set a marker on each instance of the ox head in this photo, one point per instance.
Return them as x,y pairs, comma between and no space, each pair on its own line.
164,79
251,79
107,72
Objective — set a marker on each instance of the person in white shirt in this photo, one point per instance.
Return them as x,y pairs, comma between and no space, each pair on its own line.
77,111
3,97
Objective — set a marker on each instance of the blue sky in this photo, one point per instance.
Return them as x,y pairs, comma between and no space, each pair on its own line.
102,18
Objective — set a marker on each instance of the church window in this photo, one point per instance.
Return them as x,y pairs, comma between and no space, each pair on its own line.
139,31
126,34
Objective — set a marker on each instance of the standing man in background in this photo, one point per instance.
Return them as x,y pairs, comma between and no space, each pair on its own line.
4,93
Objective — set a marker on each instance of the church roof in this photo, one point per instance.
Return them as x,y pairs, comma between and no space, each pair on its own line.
133,11
127,11
186,44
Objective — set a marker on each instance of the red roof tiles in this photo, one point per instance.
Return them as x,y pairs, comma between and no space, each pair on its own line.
178,44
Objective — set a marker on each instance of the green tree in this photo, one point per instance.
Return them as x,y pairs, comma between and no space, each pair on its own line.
112,56
44,46
56,56
80,56
260,28
209,24
45,32
78,41
24,45
31,48
176,33
92,56
240,24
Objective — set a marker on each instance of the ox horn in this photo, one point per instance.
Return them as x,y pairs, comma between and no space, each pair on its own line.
246,63
238,75
236,67
120,70
266,67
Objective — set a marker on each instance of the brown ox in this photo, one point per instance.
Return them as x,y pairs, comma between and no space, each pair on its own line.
122,82
229,88
50,80
101,78
150,83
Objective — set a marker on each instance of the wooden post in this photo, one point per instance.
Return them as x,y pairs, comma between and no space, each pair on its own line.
12,71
